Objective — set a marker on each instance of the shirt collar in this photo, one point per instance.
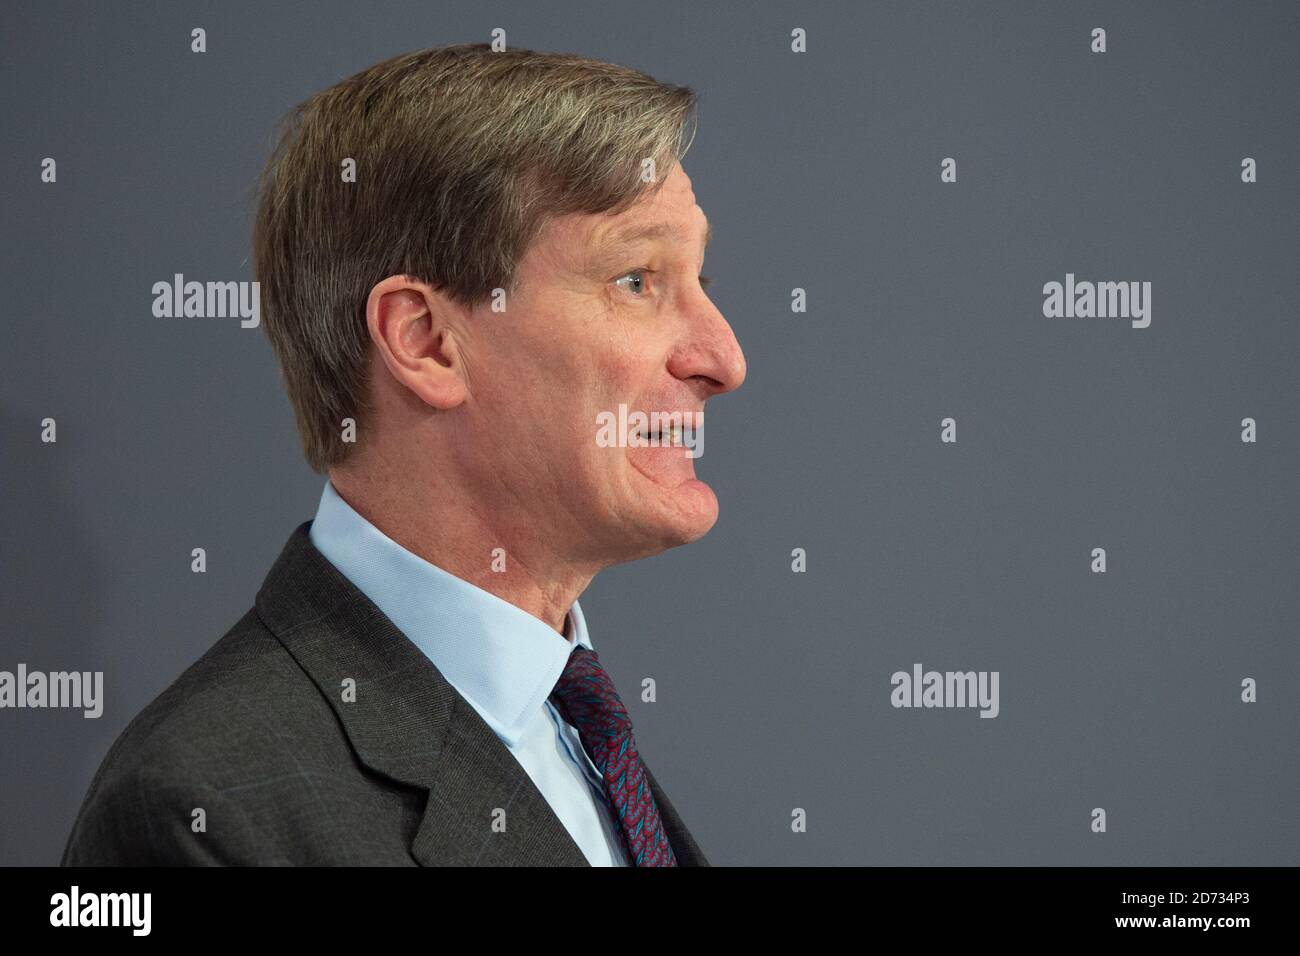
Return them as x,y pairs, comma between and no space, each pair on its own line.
500,658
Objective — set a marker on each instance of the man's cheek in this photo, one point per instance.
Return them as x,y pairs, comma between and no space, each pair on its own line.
617,379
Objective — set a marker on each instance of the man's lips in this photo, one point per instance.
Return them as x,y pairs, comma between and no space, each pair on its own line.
661,454
672,435
661,468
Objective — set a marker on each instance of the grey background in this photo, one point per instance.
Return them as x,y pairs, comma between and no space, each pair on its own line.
820,171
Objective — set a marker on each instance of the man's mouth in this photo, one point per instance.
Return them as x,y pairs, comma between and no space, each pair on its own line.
672,435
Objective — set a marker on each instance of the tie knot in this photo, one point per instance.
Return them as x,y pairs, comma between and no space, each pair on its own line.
586,696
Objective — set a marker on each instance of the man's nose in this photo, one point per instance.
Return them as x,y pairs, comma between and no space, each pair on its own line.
712,354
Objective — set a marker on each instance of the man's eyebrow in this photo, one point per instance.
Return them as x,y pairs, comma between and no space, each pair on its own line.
632,234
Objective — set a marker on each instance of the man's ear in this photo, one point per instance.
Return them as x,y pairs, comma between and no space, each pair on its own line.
413,328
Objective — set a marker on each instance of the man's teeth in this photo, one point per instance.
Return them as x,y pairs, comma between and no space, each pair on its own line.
671,435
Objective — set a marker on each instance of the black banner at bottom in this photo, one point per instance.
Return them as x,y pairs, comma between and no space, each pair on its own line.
336,905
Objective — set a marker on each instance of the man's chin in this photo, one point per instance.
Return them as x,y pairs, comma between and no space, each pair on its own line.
674,507
683,513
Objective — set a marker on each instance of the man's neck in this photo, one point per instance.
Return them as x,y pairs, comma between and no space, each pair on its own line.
456,538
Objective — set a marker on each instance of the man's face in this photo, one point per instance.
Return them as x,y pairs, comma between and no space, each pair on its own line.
602,318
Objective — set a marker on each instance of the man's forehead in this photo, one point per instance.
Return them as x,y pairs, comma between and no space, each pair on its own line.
670,213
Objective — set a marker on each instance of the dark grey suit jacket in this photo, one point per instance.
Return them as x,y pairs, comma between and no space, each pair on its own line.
258,734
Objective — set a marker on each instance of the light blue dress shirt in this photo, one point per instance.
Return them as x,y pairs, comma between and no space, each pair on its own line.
504,661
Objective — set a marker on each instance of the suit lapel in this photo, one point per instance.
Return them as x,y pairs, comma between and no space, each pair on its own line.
477,781
407,722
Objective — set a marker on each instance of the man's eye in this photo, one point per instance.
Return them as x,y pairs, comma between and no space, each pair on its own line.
640,286
638,277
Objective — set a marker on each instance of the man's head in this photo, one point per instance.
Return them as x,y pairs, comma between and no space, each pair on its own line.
518,256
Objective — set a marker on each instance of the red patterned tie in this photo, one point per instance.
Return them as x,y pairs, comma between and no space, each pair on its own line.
586,697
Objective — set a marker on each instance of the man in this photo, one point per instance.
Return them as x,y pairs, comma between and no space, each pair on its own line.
468,260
